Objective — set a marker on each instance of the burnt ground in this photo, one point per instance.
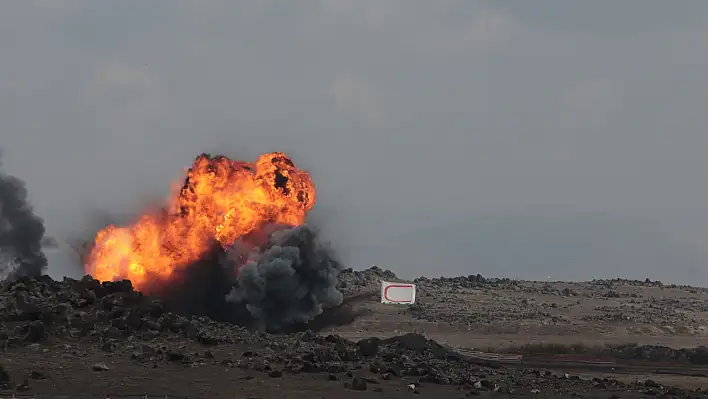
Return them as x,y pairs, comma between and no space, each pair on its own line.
601,339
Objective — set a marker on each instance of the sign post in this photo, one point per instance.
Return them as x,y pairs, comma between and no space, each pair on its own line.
397,293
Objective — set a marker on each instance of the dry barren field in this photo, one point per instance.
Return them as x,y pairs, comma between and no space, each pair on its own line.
465,337
504,313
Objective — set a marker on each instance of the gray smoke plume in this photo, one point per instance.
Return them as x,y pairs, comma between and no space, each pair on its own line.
286,282
21,232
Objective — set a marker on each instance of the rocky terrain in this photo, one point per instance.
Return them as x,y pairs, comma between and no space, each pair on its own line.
84,339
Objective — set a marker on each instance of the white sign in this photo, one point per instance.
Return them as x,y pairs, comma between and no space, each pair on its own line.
397,293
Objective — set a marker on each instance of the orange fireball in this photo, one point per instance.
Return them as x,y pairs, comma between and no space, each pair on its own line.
220,201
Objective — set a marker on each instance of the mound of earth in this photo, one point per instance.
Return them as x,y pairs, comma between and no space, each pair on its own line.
34,310
355,281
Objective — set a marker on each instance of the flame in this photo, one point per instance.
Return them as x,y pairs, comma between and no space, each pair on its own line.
221,200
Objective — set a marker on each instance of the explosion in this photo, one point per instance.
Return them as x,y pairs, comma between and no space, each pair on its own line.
228,216
221,200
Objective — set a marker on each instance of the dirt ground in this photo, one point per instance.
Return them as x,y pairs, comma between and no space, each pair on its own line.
72,376
501,316
59,372
508,316
531,312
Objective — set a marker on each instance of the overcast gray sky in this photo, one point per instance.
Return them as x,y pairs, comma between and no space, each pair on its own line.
509,138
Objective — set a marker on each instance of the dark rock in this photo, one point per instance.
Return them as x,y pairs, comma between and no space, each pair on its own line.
133,320
207,338
108,346
358,384
112,333
100,367
651,384
108,302
152,325
113,287
24,386
395,370
38,375
174,356
369,346
5,380
89,296
36,331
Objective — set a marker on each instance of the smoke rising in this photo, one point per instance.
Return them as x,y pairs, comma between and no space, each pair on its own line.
231,245
278,279
289,282
21,231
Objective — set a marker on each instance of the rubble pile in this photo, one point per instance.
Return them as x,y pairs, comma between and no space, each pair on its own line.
471,281
355,281
34,310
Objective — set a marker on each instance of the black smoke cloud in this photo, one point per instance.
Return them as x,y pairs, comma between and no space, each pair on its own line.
277,280
289,281
21,232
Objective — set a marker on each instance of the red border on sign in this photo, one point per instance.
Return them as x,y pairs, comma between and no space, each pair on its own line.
385,293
